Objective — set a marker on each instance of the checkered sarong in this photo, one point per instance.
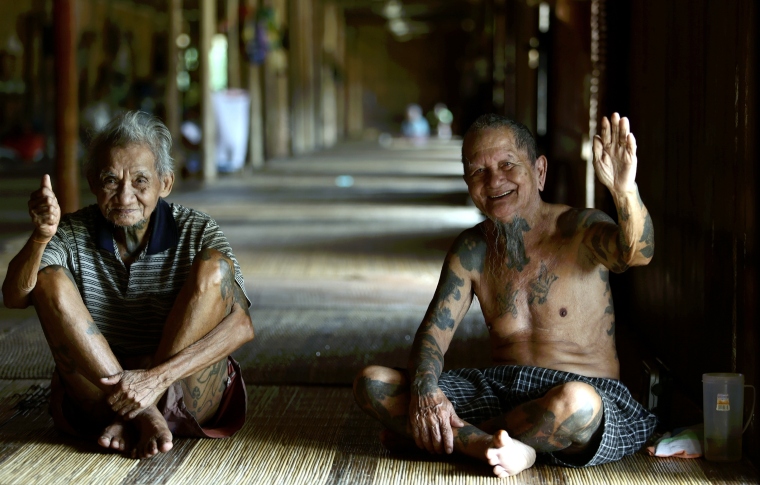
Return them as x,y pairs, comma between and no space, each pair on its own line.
481,394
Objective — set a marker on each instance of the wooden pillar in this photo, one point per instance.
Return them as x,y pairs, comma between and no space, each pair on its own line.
597,65
340,88
276,100
171,100
301,65
66,107
328,97
256,136
354,88
315,50
233,45
208,142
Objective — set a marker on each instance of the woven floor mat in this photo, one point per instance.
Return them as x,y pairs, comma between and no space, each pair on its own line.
327,346
298,346
295,436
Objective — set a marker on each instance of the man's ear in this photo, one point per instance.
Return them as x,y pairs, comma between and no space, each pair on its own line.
541,168
167,182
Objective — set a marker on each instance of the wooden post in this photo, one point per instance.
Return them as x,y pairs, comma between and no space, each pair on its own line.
208,142
354,88
171,100
66,107
233,44
328,96
256,135
275,86
301,65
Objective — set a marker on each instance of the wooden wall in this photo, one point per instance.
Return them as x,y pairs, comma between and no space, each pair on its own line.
692,94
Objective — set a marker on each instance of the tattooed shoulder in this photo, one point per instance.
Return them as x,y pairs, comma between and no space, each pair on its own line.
470,247
587,217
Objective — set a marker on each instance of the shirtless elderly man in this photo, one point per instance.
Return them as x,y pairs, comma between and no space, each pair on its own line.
141,301
541,274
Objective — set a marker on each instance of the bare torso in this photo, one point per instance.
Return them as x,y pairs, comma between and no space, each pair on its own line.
550,306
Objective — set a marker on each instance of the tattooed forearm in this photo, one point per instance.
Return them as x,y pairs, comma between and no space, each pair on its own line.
441,318
427,356
647,237
92,329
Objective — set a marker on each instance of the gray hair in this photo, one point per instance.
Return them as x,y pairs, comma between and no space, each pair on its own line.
523,137
131,128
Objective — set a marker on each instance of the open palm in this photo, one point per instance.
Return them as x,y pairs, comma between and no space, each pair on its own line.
615,155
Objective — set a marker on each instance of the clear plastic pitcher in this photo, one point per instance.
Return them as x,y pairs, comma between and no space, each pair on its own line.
723,401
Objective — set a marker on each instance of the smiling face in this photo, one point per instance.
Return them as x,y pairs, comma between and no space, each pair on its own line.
501,178
127,186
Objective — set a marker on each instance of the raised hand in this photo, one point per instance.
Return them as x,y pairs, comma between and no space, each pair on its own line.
44,210
431,417
133,391
615,155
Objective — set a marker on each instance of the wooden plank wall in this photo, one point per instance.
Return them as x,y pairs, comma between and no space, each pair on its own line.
693,104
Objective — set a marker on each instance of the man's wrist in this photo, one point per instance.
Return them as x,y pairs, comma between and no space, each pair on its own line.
424,384
625,192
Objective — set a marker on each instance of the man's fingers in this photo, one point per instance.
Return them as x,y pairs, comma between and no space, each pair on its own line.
447,438
46,184
631,144
110,380
624,129
614,128
605,131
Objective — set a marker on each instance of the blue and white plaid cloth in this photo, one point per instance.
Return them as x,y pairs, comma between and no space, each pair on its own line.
482,394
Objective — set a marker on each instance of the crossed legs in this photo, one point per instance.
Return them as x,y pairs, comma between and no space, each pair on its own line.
83,356
566,419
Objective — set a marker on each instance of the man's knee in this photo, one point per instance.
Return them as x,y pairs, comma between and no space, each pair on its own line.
55,287
50,278
575,401
371,379
212,269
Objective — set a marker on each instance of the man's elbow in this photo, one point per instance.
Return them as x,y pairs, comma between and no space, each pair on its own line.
640,258
245,329
14,300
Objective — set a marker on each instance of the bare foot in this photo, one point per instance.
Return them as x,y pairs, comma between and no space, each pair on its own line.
114,437
155,436
509,457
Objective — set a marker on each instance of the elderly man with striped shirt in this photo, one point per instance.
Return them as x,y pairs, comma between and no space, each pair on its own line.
141,301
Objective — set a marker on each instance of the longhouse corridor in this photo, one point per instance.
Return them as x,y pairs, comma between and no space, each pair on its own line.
341,253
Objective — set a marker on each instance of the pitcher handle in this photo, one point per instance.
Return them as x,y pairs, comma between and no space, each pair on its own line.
752,409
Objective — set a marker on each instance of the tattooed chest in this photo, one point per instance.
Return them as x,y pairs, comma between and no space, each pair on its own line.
544,300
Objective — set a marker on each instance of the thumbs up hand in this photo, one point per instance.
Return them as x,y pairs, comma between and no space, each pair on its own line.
44,210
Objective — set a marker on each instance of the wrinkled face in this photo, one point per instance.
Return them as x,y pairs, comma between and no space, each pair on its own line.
128,186
500,177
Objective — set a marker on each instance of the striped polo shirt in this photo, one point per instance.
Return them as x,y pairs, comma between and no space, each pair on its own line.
130,305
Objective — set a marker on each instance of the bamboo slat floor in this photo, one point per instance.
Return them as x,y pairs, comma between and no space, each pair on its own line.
293,435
